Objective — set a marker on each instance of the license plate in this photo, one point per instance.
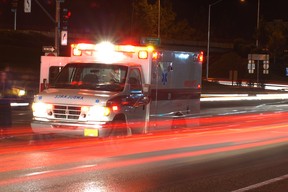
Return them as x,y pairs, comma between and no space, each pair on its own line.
91,132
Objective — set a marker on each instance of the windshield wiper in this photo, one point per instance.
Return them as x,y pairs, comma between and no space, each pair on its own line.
110,87
65,86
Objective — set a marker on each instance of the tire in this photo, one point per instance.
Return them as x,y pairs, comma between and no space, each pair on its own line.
119,127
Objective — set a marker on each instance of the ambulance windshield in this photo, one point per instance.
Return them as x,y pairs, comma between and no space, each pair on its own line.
95,76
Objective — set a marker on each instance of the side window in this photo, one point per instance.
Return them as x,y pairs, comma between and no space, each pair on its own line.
134,79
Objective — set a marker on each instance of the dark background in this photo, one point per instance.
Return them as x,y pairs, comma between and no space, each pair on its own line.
229,18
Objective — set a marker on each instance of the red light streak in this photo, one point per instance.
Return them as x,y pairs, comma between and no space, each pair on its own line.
243,132
124,163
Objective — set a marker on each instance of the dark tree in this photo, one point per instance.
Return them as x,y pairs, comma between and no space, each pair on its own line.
145,21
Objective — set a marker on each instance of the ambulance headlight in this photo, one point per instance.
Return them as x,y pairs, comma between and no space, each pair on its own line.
95,112
105,111
42,109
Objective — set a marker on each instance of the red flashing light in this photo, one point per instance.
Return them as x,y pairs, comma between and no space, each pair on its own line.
69,14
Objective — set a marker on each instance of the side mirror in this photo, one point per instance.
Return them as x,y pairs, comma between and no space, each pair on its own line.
44,85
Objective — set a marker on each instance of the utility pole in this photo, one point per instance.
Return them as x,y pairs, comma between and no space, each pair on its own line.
258,18
56,21
208,38
57,27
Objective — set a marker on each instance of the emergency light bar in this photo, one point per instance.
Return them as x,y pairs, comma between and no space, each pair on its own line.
105,48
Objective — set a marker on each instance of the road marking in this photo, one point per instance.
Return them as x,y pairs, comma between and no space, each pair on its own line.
58,170
262,183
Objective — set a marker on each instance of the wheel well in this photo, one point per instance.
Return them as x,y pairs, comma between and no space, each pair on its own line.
119,125
179,114
120,117
178,121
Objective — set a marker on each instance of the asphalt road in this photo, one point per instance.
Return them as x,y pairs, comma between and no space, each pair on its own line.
216,160
236,150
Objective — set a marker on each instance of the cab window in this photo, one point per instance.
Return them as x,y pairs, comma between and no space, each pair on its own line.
134,79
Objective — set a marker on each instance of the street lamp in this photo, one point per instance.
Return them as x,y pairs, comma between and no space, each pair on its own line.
159,17
208,39
14,5
258,22
257,35
15,17
258,14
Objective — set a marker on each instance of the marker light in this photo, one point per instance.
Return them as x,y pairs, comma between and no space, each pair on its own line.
84,109
143,54
85,46
83,49
77,52
156,55
201,57
150,48
125,48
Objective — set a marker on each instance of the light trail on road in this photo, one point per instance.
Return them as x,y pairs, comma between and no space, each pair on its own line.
72,156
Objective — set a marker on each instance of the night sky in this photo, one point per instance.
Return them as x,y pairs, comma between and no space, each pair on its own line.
229,18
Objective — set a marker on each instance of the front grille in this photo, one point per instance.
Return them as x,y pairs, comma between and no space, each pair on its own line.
66,112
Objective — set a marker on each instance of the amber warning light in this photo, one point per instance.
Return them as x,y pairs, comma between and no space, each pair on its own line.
201,57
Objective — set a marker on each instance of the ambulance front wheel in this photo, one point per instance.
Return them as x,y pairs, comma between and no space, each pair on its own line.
119,127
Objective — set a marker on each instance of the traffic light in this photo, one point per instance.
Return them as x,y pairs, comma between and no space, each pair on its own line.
14,4
66,14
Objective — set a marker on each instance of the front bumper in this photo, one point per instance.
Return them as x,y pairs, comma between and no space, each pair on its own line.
98,129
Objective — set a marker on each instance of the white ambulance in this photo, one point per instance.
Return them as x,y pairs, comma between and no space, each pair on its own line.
105,90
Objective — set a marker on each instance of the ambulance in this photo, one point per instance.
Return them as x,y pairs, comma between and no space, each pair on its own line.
105,90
